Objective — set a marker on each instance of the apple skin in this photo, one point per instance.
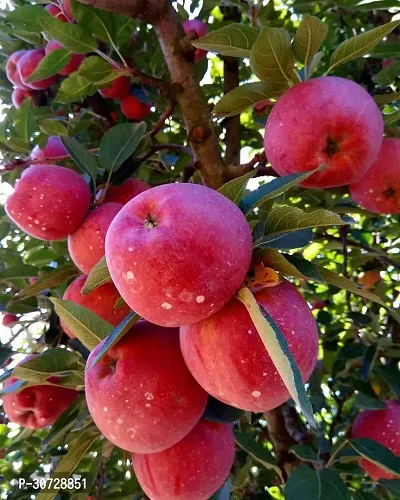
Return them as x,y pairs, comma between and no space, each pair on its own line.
101,301
379,190
54,148
18,96
201,29
369,278
9,320
27,65
118,89
383,427
12,69
37,406
49,202
154,401
178,252
86,244
227,357
327,120
207,453
126,191
134,109
66,4
73,65
55,11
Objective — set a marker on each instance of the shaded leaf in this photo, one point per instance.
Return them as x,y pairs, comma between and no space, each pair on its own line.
99,275
286,240
305,452
235,189
390,375
368,360
310,35
234,40
387,98
81,156
72,36
119,143
387,75
51,64
392,485
378,454
21,271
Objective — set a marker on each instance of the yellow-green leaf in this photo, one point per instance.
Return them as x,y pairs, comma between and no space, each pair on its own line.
51,64
72,36
235,189
309,37
52,127
74,88
99,275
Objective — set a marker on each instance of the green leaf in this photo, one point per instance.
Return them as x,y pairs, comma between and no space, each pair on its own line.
27,18
72,36
24,122
81,156
97,71
388,75
392,485
310,35
89,328
96,21
234,40
271,57
235,189
280,263
119,143
374,5
116,335
313,66
21,271
74,88
360,45
52,127
378,454
305,453
286,240
243,97
363,401
382,99
71,460
99,275
390,375
51,64
391,118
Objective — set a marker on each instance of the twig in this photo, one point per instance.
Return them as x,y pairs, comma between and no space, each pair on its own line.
233,171
294,425
163,87
163,118
252,13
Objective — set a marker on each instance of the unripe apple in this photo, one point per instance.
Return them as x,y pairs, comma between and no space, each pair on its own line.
178,252
201,29
49,202
54,149
73,65
383,426
12,68
9,320
227,357
126,191
324,121
133,108
379,190
152,400
101,301
27,65
18,96
56,12
118,89
192,469
86,244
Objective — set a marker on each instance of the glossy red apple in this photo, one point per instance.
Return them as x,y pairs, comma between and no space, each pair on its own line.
54,148
55,11
12,71
18,96
27,65
134,109
9,320
118,89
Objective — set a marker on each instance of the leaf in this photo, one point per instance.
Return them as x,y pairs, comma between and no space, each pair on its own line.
52,127
81,156
309,37
24,122
388,75
51,64
97,71
307,268
96,21
89,328
119,143
386,98
27,18
374,5
280,263
233,40
21,271
117,334
390,375
305,453
360,45
74,88
99,275
71,460
368,360
277,347
235,189
5,353
72,36
243,97
364,400
271,57
313,66
285,241
391,118
377,454
392,485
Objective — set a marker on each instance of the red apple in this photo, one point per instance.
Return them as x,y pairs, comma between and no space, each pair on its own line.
152,400
192,469
126,191
327,120
12,69
118,89
379,190
54,149
74,63
27,65
101,301
381,426
260,106
134,109
178,252
86,244
9,320
227,357
55,11
201,29
49,202
66,5
18,96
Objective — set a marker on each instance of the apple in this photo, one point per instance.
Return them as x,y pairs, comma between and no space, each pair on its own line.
9,320
140,394
192,469
27,65
73,65
118,89
133,108
101,301
19,95
66,5
383,427
56,12
226,356
86,244
12,69
379,190
126,191
369,278
54,148
328,121
201,29
178,252
49,202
